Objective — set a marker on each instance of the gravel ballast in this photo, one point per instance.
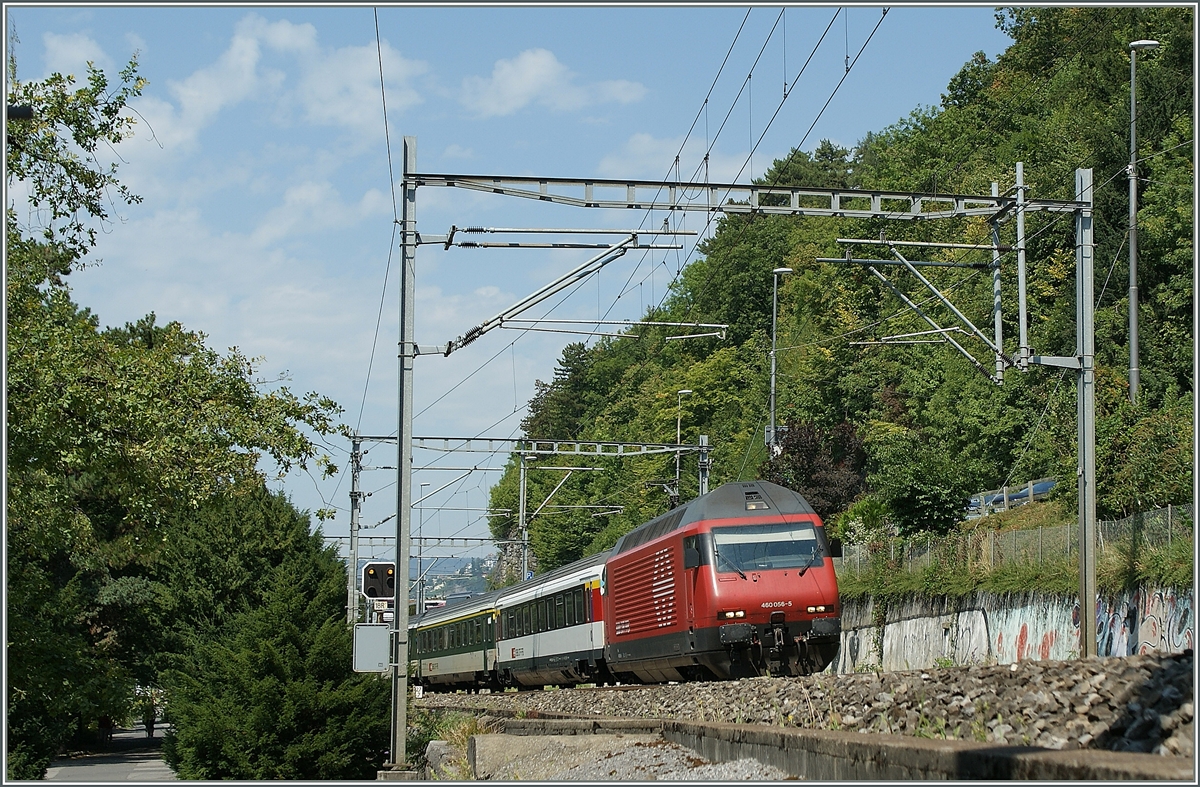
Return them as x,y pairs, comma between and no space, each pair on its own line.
1142,703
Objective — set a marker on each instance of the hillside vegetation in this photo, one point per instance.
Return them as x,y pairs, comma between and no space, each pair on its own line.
895,438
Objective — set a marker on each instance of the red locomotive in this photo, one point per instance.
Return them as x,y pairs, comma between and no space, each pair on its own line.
733,584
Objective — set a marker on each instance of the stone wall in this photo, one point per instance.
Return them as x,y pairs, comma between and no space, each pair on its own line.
919,633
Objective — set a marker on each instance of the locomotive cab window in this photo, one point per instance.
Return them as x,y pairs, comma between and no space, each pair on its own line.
762,547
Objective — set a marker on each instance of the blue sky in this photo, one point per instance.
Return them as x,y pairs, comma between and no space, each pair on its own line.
267,214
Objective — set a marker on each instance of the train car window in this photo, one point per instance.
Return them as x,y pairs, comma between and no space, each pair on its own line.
569,607
560,612
542,616
579,605
587,598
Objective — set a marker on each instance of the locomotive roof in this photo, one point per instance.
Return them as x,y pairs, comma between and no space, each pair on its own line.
725,502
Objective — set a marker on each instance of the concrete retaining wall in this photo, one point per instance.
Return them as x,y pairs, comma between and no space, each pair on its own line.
824,755
986,627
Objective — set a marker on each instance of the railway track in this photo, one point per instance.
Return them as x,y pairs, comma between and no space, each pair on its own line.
1138,704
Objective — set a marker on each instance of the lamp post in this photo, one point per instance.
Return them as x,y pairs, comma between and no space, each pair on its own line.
420,555
678,439
774,326
1134,371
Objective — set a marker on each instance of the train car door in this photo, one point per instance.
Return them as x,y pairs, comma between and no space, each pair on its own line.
691,572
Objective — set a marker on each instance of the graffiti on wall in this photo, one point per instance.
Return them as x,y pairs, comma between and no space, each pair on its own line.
1145,620
1003,629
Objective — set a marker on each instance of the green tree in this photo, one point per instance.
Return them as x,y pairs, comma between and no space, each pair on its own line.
826,466
269,693
937,429
110,433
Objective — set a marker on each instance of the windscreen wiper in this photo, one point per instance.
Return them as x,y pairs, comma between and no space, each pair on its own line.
811,561
729,563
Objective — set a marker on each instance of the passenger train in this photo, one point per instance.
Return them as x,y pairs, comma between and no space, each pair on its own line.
736,583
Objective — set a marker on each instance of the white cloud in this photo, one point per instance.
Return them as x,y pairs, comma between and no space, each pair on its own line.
536,75
70,53
136,42
315,207
338,87
341,87
233,78
647,156
457,151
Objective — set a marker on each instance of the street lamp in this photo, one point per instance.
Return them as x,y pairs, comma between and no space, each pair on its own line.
774,325
1134,371
678,437
420,555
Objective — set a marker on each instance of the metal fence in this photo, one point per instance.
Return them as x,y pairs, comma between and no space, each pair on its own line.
989,549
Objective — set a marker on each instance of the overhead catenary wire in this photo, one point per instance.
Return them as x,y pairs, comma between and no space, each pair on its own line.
707,282
675,163
710,144
395,221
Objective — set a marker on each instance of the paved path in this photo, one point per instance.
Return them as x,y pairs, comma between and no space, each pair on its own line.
131,757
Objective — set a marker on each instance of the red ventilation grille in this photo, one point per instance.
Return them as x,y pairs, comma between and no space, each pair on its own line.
644,593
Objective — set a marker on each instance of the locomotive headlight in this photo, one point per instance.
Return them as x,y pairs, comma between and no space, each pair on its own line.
741,613
820,608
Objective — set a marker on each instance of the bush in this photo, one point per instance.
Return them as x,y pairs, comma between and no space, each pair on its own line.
272,696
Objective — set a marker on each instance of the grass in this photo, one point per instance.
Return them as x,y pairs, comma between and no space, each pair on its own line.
1122,565
454,727
1050,513
1116,571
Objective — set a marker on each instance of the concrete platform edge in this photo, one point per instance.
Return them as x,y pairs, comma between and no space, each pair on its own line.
829,755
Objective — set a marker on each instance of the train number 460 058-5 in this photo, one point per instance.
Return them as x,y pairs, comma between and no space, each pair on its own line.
770,604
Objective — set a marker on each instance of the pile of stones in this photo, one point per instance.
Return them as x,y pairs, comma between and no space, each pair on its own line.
1140,703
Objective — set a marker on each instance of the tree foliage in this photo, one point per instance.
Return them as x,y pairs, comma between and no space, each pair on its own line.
112,435
260,685
935,429
826,466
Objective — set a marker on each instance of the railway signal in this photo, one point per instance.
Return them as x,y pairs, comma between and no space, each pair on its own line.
379,580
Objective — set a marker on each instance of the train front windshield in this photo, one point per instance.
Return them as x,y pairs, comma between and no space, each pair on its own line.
762,547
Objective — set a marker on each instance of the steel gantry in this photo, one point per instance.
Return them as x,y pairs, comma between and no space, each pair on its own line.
525,447
766,200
